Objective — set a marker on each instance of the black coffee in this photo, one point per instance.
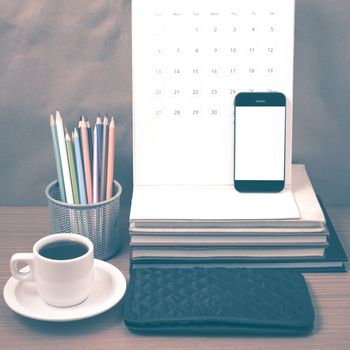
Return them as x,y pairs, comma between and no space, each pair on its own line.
63,250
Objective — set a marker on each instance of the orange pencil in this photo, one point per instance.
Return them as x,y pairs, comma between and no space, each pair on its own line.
86,158
110,163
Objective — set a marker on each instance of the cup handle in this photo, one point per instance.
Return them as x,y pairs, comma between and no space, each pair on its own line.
26,258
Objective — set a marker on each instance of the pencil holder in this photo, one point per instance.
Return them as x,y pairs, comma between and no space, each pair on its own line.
99,222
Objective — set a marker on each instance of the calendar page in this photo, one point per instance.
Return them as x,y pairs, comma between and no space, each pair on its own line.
190,59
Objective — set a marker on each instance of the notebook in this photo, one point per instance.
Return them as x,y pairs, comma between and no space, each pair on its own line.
213,207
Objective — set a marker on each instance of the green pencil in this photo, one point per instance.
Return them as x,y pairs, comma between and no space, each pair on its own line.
57,158
73,174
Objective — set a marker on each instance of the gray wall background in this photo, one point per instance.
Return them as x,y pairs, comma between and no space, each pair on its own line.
76,56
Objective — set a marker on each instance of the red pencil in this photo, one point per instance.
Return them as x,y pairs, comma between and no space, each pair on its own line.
87,161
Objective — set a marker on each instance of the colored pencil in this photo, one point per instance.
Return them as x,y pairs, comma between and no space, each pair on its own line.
90,141
57,158
64,159
95,167
73,174
79,132
86,158
85,173
103,178
79,167
110,163
99,152
99,145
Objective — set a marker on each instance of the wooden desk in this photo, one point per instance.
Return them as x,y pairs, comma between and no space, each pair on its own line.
21,227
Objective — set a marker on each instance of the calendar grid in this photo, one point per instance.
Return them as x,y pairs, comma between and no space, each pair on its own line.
190,59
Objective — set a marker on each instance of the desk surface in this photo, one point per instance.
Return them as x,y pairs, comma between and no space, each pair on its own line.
21,227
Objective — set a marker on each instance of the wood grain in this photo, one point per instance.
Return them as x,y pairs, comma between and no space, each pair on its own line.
21,227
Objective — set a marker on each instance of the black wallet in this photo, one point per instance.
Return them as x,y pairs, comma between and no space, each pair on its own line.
218,301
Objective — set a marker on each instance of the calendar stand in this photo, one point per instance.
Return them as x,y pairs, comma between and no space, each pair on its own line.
190,59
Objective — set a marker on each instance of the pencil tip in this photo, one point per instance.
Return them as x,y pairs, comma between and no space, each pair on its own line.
58,115
52,120
105,120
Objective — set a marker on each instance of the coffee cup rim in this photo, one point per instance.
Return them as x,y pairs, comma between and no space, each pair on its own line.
56,237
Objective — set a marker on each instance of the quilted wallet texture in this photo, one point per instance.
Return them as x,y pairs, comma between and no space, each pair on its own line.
218,300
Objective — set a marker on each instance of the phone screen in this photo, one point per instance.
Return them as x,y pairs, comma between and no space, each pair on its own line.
260,143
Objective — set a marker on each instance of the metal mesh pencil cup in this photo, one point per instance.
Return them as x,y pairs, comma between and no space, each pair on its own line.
99,222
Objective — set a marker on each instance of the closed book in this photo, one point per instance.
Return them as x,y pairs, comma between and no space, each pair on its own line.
205,207
212,241
334,259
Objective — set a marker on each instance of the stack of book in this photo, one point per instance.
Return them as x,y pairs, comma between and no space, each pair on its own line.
220,226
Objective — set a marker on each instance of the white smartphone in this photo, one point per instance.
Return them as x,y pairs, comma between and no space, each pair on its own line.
259,142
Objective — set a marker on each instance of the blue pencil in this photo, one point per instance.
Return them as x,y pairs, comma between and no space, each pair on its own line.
95,182
79,133
79,167
99,147
103,179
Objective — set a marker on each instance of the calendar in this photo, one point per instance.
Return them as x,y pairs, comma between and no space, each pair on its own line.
189,60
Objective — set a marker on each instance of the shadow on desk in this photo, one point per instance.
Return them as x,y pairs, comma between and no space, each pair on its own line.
110,319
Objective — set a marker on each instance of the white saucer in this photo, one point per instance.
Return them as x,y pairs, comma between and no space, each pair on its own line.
109,288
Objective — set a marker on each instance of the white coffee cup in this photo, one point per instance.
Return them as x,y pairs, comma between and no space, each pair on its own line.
59,282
